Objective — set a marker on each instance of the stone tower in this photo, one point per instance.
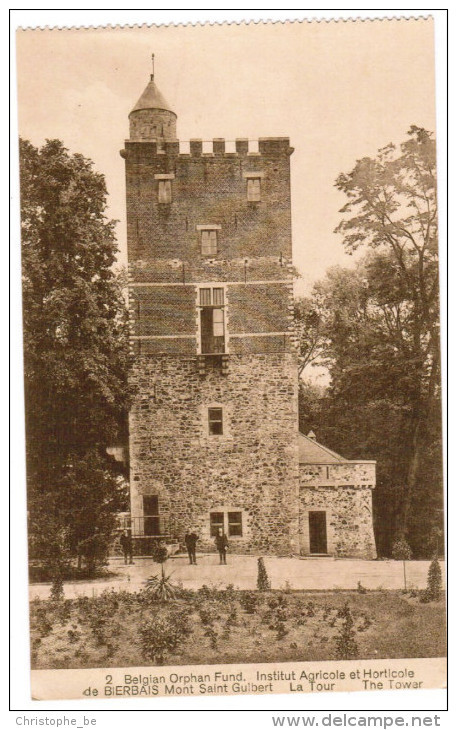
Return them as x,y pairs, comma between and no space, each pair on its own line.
213,429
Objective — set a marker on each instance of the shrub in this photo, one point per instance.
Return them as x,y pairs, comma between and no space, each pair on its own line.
263,582
162,633
94,550
41,622
208,614
248,602
401,550
230,621
346,645
310,609
159,552
434,582
213,636
279,624
73,636
57,587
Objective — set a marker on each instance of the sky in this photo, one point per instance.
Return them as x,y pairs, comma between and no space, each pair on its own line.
338,90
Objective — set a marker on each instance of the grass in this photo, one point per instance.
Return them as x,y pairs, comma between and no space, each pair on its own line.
228,626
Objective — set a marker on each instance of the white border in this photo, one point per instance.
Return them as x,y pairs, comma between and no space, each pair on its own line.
394,701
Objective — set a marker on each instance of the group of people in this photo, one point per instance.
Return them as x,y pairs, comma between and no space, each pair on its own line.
190,539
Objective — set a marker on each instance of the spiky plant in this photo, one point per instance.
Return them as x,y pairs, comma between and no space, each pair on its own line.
161,587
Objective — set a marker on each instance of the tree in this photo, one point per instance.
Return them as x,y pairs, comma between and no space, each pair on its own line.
75,353
309,332
366,410
263,581
434,582
392,210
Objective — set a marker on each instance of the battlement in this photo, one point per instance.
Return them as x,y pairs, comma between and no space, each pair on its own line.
217,147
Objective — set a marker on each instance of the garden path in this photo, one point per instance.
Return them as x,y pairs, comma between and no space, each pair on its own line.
241,571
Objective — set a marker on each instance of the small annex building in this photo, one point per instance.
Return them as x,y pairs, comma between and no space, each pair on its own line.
335,502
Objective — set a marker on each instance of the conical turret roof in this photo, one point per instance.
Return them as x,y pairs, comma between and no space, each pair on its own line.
151,98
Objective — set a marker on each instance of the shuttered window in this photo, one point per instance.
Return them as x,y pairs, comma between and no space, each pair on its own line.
218,296
208,242
164,191
205,297
253,189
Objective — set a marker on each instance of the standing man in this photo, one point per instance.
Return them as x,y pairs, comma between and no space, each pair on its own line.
191,542
127,547
222,545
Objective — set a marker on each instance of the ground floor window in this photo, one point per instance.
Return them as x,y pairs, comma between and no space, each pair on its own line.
229,522
216,523
235,526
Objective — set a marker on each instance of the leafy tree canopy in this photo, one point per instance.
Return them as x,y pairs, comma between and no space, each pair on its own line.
376,328
75,345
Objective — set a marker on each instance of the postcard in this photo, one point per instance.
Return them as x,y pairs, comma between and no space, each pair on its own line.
232,359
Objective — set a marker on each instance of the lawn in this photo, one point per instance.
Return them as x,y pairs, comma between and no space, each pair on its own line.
212,626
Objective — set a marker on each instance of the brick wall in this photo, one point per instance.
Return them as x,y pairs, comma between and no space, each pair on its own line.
207,189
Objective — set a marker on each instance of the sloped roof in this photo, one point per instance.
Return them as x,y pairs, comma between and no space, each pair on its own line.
151,98
311,452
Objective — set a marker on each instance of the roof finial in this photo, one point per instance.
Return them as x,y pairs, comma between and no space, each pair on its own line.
152,61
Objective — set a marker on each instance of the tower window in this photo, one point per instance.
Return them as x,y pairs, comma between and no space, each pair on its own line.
212,320
164,191
164,187
209,238
253,189
215,422
208,242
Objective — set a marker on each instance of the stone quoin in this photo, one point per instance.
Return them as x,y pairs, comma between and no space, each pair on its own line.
214,439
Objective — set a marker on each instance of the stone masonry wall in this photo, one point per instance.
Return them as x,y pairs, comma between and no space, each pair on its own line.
252,467
147,125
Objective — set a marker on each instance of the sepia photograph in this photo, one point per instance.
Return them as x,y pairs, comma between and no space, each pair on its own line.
232,383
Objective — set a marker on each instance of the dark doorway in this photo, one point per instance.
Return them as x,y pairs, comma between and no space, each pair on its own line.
151,514
318,533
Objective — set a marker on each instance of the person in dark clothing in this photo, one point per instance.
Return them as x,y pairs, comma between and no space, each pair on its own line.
222,545
127,547
191,542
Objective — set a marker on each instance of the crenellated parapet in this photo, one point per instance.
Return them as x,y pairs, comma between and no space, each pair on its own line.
153,144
